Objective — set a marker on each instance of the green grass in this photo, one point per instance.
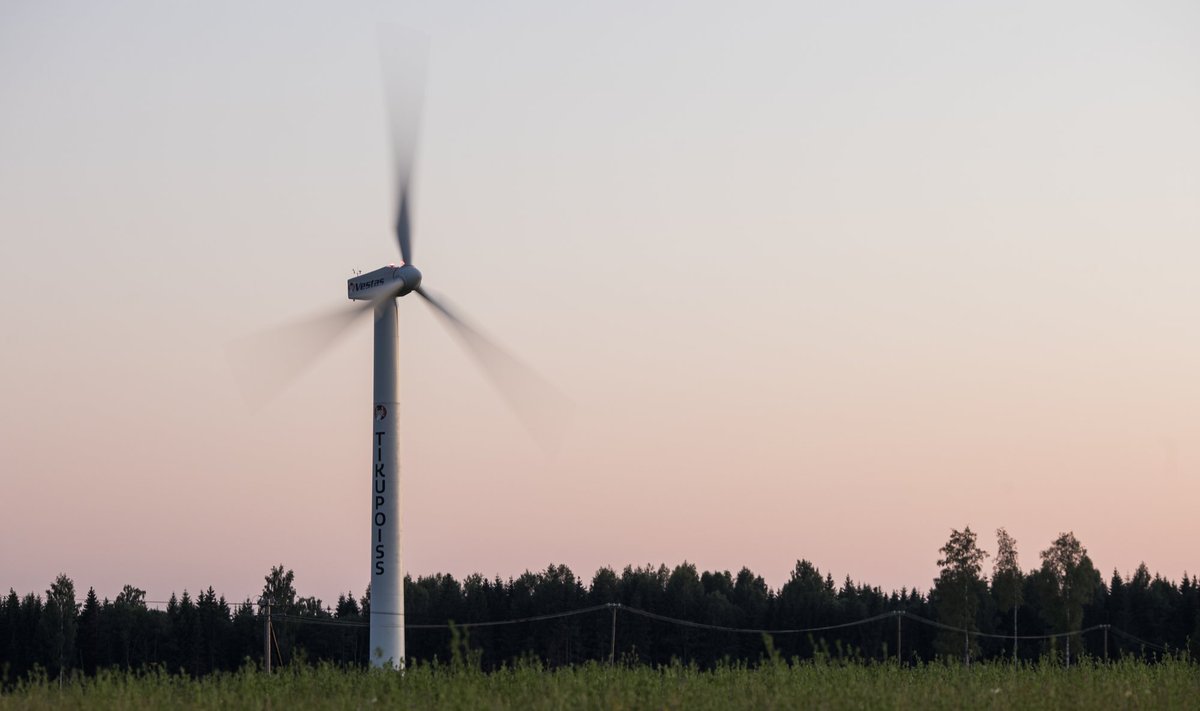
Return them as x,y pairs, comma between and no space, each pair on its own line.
1174,684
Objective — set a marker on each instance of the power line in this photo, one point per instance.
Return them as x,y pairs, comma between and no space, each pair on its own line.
447,625
1126,635
951,628
616,606
519,620
318,620
745,630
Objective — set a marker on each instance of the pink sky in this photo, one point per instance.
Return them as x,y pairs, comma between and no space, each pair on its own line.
822,283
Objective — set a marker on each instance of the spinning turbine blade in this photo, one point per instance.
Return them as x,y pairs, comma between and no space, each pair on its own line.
538,404
266,362
404,228
404,55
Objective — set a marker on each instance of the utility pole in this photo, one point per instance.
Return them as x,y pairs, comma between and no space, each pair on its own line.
1106,643
899,658
267,632
1015,632
62,642
612,639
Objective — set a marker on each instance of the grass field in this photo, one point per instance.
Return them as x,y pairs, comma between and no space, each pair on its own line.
1168,685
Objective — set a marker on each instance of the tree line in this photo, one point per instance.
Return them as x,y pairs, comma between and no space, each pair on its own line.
205,633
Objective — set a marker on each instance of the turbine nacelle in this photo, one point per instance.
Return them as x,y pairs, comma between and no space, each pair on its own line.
394,280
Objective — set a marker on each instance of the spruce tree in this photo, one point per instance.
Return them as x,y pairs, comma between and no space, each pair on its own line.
88,644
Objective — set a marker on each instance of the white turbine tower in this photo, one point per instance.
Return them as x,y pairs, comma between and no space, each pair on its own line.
377,291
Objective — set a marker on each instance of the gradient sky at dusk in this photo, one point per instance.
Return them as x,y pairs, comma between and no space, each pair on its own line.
823,280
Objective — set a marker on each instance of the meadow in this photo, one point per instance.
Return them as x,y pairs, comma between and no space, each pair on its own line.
1170,684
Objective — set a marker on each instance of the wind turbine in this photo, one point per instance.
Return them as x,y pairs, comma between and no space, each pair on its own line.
377,292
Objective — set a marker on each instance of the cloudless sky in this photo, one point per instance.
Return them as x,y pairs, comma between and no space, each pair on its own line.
823,280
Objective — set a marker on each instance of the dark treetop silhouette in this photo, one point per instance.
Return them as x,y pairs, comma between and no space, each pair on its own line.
203,633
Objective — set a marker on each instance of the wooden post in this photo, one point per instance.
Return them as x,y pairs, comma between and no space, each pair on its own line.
267,639
1015,632
62,635
612,639
899,658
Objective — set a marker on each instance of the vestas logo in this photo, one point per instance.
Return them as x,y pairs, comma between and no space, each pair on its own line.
380,412
361,285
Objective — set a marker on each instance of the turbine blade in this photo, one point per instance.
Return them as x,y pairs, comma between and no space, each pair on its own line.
404,228
537,403
404,55
265,363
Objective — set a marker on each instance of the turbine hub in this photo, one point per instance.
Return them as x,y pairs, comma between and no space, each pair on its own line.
399,280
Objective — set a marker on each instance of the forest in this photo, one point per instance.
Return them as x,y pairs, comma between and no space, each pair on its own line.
970,613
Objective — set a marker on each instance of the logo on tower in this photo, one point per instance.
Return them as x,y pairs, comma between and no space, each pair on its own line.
380,412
